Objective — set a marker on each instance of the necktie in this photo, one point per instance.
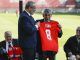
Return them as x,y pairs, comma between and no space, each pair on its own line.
9,44
10,50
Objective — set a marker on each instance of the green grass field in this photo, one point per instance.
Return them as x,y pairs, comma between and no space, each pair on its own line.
69,24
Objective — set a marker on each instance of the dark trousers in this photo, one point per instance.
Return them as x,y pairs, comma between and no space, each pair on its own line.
40,55
29,54
48,54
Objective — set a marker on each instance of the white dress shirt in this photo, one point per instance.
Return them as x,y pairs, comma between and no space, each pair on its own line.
28,13
7,45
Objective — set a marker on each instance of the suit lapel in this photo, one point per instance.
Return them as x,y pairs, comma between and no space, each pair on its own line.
4,44
32,21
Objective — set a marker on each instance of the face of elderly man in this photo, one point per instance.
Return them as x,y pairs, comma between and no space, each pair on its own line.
30,6
78,32
8,36
47,13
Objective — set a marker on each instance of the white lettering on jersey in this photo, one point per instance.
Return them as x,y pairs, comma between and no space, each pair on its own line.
48,34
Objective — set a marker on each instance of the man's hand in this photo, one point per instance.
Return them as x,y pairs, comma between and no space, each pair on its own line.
59,26
72,57
37,25
70,53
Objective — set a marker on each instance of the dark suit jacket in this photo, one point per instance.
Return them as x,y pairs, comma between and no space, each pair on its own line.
3,45
27,31
38,36
14,42
72,46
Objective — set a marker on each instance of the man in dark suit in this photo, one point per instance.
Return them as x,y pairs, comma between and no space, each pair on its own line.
47,13
72,46
27,31
6,44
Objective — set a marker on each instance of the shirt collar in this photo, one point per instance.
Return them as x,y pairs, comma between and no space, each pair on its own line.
7,47
9,41
28,13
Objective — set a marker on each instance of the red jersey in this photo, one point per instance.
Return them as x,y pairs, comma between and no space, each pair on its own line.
14,53
49,35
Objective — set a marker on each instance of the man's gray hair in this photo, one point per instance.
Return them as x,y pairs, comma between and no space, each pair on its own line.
47,11
29,4
78,28
8,33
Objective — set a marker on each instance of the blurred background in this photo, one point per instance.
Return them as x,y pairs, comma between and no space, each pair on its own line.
66,12
62,6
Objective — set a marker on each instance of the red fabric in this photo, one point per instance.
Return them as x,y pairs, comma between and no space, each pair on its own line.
49,35
10,52
17,50
14,51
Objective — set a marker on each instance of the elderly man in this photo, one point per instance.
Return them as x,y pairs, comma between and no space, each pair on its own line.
27,31
8,45
48,34
72,46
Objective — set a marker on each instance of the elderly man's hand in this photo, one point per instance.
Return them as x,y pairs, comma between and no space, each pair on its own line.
72,57
78,57
70,53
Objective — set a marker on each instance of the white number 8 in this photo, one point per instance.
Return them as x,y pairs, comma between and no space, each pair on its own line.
48,33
